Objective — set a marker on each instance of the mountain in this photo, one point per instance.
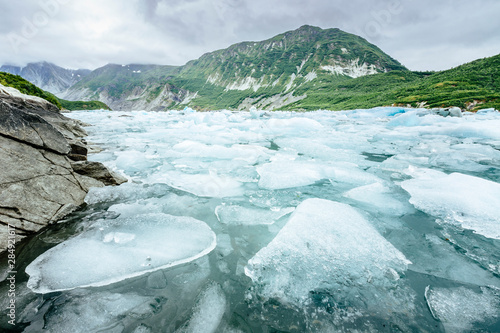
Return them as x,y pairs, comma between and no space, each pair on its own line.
267,72
305,69
47,76
129,87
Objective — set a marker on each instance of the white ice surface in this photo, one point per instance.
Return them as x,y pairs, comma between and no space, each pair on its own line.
119,249
464,200
324,244
381,197
208,184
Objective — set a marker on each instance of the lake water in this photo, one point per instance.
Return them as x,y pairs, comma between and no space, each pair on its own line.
381,220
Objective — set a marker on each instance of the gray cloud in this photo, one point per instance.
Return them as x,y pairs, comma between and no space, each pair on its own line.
421,34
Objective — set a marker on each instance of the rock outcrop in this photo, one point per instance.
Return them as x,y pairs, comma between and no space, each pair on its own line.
44,175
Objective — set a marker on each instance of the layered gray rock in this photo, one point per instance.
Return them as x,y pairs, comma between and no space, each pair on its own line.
98,171
40,183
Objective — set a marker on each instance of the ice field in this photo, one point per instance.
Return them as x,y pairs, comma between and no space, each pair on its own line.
381,220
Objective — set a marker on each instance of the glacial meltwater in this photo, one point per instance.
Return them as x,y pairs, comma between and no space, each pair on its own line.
382,220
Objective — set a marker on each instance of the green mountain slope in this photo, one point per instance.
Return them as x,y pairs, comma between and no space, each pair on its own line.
25,87
273,62
471,86
272,69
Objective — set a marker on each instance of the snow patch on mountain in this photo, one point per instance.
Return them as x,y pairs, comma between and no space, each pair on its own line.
311,76
351,68
246,83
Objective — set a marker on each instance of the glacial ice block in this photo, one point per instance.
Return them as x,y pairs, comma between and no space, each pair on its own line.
459,308
202,185
468,201
325,245
208,311
380,196
288,174
238,215
112,251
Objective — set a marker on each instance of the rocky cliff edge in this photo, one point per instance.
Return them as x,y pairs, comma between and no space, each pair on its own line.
44,173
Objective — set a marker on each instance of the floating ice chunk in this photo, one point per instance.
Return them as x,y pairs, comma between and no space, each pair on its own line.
459,308
119,249
437,256
142,329
202,185
254,113
238,215
380,112
134,161
350,173
467,157
287,174
187,109
486,111
249,153
292,125
470,202
124,192
325,245
126,210
380,196
208,312
406,119
91,312
482,129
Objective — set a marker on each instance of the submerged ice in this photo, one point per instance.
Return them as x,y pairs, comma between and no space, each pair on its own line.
461,309
278,221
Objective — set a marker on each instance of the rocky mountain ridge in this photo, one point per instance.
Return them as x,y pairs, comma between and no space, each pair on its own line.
47,76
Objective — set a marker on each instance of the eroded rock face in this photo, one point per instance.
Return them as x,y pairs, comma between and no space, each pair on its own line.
98,171
38,184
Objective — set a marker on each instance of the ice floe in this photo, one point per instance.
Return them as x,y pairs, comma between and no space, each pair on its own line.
467,201
115,250
325,245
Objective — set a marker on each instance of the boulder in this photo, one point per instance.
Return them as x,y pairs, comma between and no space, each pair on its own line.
455,112
98,171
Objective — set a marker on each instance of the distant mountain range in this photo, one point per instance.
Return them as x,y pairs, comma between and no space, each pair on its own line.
47,76
305,69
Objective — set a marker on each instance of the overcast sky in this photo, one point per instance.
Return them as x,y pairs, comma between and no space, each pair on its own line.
421,34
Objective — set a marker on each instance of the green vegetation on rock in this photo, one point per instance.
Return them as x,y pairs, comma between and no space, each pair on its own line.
25,87
83,105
